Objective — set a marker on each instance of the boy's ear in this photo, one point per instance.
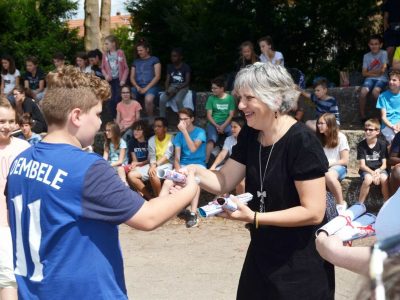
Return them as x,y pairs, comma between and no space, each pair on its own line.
75,116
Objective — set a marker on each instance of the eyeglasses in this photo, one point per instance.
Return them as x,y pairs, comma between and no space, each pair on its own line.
370,129
125,92
321,123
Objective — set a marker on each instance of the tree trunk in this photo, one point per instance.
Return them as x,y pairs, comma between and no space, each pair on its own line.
105,20
92,30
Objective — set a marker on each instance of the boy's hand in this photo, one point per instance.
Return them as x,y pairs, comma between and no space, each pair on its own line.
182,126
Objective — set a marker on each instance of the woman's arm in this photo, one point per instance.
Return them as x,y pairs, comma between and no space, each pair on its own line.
355,259
118,120
220,157
124,75
121,158
156,78
137,114
222,181
16,82
133,78
311,210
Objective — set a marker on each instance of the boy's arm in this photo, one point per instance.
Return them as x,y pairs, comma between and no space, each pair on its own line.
364,167
156,212
211,119
385,119
228,120
304,93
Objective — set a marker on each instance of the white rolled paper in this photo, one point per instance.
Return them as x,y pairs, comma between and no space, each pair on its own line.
213,208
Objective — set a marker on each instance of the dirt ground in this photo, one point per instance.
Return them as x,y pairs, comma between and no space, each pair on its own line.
173,262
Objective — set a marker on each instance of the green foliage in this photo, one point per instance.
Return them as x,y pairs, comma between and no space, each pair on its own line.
37,27
318,37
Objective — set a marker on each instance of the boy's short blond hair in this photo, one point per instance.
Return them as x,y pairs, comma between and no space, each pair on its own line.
373,123
67,89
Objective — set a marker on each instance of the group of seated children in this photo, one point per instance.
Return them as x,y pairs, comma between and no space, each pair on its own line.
142,157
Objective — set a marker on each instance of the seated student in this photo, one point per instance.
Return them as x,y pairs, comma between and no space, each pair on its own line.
268,53
336,149
176,83
220,108
58,60
26,123
374,70
34,78
25,105
128,112
95,58
138,151
9,77
75,208
82,63
161,152
372,154
190,149
389,104
114,146
324,103
237,124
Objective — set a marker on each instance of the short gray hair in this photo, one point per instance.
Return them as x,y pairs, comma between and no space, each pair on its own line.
272,84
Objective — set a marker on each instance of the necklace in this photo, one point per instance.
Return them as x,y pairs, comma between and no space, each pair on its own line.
261,193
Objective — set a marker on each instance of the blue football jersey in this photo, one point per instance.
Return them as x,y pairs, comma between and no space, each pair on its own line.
64,207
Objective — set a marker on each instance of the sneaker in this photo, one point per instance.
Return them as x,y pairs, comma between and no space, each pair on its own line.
341,208
192,220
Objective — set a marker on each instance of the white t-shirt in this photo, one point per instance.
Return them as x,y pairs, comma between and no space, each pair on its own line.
9,81
7,155
333,154
229,142
387,222
278,56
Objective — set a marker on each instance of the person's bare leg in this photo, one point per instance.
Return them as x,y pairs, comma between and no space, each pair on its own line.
122,174
135,179
334,186
195,201
9,293
364,190
155,184
385,186
363,101
149,106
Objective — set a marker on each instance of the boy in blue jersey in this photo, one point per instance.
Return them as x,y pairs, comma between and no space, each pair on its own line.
65,205
323,103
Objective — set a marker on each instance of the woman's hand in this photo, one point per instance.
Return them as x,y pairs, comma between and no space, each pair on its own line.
243,212
327,246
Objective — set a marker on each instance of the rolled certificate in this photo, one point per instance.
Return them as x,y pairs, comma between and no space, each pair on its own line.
359,228
213,208
342,220
174,176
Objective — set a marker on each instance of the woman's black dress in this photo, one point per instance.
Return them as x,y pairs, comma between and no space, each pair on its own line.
282,262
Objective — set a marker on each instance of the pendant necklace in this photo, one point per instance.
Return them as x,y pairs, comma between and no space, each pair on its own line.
261,193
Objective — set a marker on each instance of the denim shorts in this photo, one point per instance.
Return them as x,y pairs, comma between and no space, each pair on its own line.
363,173
370,84
340,170
151,91
212,134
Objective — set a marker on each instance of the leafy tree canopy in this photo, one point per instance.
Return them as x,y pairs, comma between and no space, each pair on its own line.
318,37
38,28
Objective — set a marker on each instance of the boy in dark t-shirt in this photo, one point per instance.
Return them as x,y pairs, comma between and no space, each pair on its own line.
372,154
34,78
65,204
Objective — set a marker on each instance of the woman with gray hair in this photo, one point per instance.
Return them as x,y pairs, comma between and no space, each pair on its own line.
284,166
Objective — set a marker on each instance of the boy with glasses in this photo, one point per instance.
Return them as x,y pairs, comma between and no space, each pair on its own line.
372,154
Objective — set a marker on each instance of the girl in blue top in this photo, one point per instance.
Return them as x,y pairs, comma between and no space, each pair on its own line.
115,146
